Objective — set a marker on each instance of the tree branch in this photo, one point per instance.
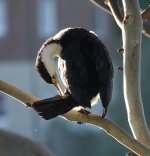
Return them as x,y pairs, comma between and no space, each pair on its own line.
101,4
131,32
145,15
146,30
113,5
108,126
17,93
130,154
132,36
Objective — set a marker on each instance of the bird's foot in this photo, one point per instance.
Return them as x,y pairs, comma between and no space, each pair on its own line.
104,112
84,111
66,93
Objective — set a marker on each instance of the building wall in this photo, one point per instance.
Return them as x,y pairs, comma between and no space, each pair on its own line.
25,20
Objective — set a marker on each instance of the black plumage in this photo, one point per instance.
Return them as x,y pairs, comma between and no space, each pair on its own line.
52,107
85,68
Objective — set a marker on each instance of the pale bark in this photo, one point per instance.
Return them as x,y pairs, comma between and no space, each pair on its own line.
132,36
132,27
108,126
113,5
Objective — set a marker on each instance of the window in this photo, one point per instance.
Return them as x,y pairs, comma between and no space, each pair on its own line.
3,18
46,18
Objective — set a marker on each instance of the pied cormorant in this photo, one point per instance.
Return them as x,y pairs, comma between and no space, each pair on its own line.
84,66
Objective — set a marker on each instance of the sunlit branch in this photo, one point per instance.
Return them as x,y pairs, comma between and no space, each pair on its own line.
113,5
146,14
108,126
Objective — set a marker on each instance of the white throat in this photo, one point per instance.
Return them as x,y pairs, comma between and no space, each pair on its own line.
49,53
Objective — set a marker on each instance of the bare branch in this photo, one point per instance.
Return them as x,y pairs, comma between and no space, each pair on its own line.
113,5
101,4
146,25
146,14
112,9
108,126
146,30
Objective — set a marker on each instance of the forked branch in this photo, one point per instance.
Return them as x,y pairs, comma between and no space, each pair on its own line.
114,8
145,14
132,36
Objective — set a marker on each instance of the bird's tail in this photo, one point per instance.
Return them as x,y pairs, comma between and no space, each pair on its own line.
52,107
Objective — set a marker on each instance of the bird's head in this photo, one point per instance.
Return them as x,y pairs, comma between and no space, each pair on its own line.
45,61
46,55
45,64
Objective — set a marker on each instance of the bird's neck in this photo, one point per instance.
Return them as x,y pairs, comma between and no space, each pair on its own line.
49,53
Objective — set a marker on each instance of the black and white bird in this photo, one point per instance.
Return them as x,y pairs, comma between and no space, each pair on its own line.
84,66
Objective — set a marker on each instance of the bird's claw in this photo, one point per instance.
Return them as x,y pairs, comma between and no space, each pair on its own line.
66,92
84,111
104,112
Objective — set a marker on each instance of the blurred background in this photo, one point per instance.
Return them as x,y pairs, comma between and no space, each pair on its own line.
24,26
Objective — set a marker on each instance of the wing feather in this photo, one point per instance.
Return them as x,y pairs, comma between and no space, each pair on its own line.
105,72
75,76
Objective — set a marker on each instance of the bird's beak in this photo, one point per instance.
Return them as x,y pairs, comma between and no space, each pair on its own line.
57,85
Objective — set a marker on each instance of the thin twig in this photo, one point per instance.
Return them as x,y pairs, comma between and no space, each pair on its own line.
107,125
146,22
146,30
146,14
113,5
101,4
